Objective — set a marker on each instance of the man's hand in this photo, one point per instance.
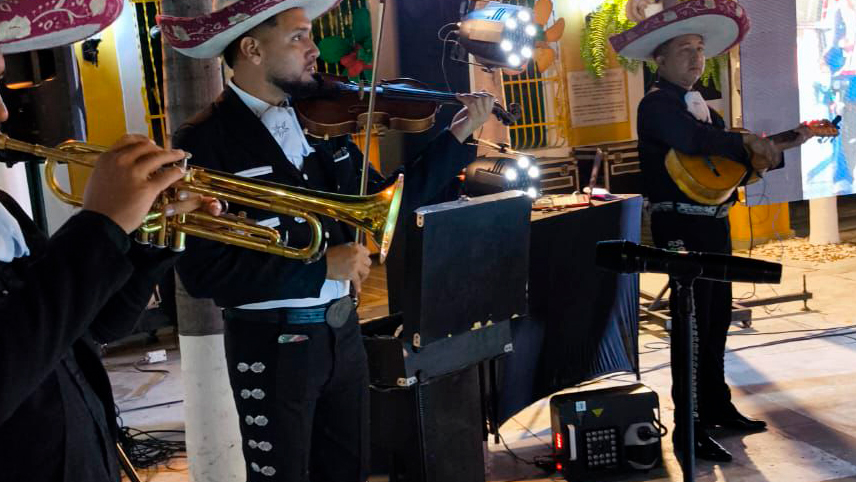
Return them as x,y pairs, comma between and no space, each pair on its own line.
349,262
127,179
765,154
188,201
803,135
478,108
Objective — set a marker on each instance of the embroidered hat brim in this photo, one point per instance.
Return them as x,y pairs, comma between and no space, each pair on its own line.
721,23
43,24
207,36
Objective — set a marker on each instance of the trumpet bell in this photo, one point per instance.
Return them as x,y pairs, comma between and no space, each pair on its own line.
391,196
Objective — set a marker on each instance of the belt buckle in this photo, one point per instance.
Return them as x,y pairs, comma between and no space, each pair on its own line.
338,313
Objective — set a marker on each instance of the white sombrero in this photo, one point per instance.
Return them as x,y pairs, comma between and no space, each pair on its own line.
721,23
207,36
43,24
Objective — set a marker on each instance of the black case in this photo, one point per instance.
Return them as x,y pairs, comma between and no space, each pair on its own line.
467,265
620,172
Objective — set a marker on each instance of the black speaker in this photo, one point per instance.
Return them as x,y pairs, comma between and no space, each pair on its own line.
43,95
45,103
429,432
604,432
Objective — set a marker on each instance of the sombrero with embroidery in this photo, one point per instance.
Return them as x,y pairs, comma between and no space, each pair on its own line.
721,23
207,36
42,24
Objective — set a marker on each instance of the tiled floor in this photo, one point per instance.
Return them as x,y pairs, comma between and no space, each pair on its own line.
806,390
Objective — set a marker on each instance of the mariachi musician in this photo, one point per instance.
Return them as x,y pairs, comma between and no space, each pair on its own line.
296,361
86,283
675,116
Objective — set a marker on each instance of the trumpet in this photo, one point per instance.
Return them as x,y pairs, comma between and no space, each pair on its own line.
376,214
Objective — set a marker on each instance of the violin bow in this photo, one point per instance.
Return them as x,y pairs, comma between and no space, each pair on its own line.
364,179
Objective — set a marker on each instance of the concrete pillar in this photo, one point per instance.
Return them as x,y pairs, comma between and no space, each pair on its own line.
210,417
211,420
823,221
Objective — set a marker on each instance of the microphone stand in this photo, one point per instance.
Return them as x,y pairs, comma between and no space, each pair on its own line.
684,276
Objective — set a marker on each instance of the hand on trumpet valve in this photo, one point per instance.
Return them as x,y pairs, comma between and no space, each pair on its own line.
188,201
128,178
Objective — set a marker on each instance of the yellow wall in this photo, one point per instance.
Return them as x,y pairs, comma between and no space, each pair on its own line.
102,97
768,222
570,47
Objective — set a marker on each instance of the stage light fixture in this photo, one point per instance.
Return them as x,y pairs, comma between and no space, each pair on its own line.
489,175
511,174
498,35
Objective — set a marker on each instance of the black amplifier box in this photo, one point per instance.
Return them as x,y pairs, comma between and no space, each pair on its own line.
605,432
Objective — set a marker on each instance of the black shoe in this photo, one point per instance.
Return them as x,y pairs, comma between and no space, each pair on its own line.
734,420
706,448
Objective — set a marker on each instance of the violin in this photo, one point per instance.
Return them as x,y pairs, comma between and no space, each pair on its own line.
340,107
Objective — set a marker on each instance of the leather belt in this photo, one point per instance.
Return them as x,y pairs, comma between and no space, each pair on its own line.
335,313
720,211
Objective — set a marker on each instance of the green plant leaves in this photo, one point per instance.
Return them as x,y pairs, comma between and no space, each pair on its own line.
333,48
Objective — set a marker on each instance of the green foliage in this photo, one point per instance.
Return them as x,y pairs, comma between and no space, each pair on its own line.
712,68
609,19
333,48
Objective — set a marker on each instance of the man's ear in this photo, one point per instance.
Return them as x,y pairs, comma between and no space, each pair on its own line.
249,49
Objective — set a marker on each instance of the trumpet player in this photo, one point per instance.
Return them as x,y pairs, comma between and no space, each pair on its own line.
86,282
296,361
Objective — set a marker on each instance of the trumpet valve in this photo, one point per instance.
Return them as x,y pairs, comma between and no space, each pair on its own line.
177,236
143,237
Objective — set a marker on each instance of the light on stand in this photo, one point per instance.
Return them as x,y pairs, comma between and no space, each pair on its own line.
511,174
490,175
498,35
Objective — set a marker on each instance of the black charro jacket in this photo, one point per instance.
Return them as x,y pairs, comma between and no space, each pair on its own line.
88,283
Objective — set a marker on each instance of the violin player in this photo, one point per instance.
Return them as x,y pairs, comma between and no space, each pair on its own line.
297,365
675,116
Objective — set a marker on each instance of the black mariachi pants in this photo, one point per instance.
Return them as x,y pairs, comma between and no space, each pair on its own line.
712,309
302,394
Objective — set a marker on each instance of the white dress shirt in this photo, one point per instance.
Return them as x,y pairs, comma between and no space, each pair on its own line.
282,124
12,243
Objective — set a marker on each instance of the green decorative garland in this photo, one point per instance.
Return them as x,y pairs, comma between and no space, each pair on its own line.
609,19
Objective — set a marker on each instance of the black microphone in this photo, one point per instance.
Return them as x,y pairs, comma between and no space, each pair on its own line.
627,257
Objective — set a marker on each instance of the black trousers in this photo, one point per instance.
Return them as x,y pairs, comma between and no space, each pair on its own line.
302,395
712,310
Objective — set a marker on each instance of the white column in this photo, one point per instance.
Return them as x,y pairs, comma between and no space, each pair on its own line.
210,417
823,221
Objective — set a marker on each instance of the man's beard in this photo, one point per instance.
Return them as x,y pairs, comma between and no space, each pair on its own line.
299,89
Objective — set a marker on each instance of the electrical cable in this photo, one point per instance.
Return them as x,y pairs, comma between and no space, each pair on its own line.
144,449
154,405
445,41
